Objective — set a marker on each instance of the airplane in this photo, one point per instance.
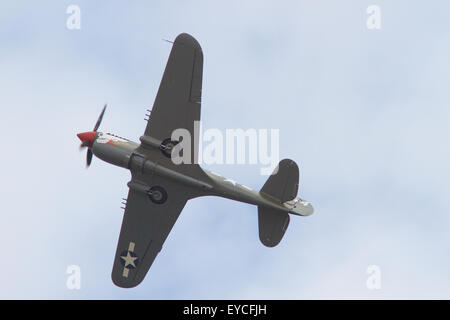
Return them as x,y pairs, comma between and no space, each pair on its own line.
160,188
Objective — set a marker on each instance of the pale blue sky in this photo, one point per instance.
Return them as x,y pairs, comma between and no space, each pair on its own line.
363,112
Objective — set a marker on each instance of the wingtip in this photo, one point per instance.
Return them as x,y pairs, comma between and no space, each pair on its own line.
187,39
126,284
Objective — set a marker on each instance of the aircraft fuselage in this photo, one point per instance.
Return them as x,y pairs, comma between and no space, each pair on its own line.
119,152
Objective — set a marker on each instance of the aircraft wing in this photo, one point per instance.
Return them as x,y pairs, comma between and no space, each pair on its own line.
146,225
177,106
177,103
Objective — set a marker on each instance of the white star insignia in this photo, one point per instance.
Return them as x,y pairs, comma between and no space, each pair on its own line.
129,260
230,181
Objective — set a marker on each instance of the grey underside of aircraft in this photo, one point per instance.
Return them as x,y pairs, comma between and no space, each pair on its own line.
159,188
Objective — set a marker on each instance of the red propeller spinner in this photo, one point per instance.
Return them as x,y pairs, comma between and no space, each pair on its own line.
87,138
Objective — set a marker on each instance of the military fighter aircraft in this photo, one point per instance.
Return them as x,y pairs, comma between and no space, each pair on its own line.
160,188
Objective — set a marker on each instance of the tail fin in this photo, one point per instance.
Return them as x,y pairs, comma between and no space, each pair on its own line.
283,186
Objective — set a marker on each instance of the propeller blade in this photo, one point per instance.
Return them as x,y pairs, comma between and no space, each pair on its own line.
89,137
83,145
88,157
99,119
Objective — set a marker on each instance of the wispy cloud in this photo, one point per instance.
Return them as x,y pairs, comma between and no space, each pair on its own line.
363,113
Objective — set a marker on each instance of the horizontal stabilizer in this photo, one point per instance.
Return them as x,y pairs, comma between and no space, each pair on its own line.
272,225
283,183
